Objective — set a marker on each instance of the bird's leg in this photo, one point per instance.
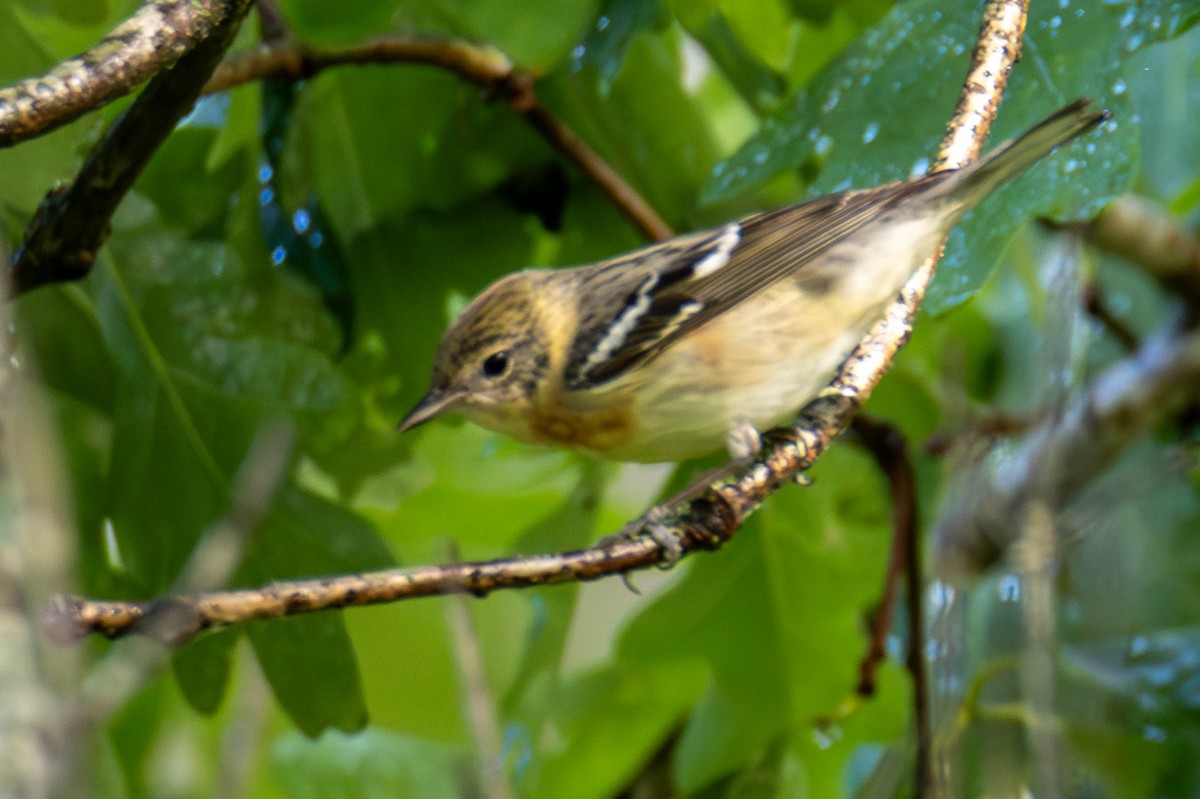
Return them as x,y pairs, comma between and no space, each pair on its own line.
744,443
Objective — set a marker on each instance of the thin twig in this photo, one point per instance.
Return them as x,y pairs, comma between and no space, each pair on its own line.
1036,559
918,668
295,61
71,224
1094,304
478,703
889,448
39,752
484,66
74,616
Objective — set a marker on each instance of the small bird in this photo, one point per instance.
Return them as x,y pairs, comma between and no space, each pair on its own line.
660,354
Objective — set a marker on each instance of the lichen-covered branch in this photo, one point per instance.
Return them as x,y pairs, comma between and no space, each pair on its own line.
150,41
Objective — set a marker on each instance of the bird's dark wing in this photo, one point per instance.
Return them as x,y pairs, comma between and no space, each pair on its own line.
651,297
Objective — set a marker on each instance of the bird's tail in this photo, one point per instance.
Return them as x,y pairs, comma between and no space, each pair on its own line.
1014,156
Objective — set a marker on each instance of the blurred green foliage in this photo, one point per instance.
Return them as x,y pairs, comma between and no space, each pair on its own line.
734,674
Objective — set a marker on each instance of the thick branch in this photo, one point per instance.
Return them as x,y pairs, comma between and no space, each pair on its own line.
71,224
483,66
152,40
1137,231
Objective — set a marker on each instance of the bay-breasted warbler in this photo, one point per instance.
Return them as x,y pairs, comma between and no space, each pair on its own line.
658,354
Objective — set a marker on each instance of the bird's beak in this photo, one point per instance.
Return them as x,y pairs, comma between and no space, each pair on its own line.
432,405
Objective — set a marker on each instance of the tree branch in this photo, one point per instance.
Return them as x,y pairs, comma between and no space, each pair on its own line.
1132,228
1063,454
889,448
484,66
72,617
71,224
152,40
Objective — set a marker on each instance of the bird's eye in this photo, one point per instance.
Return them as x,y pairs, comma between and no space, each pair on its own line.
495,364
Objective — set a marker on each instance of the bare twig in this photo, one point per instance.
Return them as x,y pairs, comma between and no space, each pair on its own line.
70,225
295,61
75,616
483,66
242,734
1036,558
1094,304
889,448
704,522
478,703
150,41
918,668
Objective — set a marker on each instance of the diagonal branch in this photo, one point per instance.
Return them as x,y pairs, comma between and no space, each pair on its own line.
72,223
706,521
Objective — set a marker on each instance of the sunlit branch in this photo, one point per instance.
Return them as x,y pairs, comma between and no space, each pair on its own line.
152,40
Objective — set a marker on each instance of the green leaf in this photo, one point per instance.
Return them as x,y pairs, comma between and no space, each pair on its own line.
847,129
533,692
133,731
475,485
58,328
763,26
534,41
309,660
311,668
372,764
310,536
322,23
611,723
71,13
202,669
754,80
353,138
162,490
648,127
617,24
192,197
777,617
719,614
